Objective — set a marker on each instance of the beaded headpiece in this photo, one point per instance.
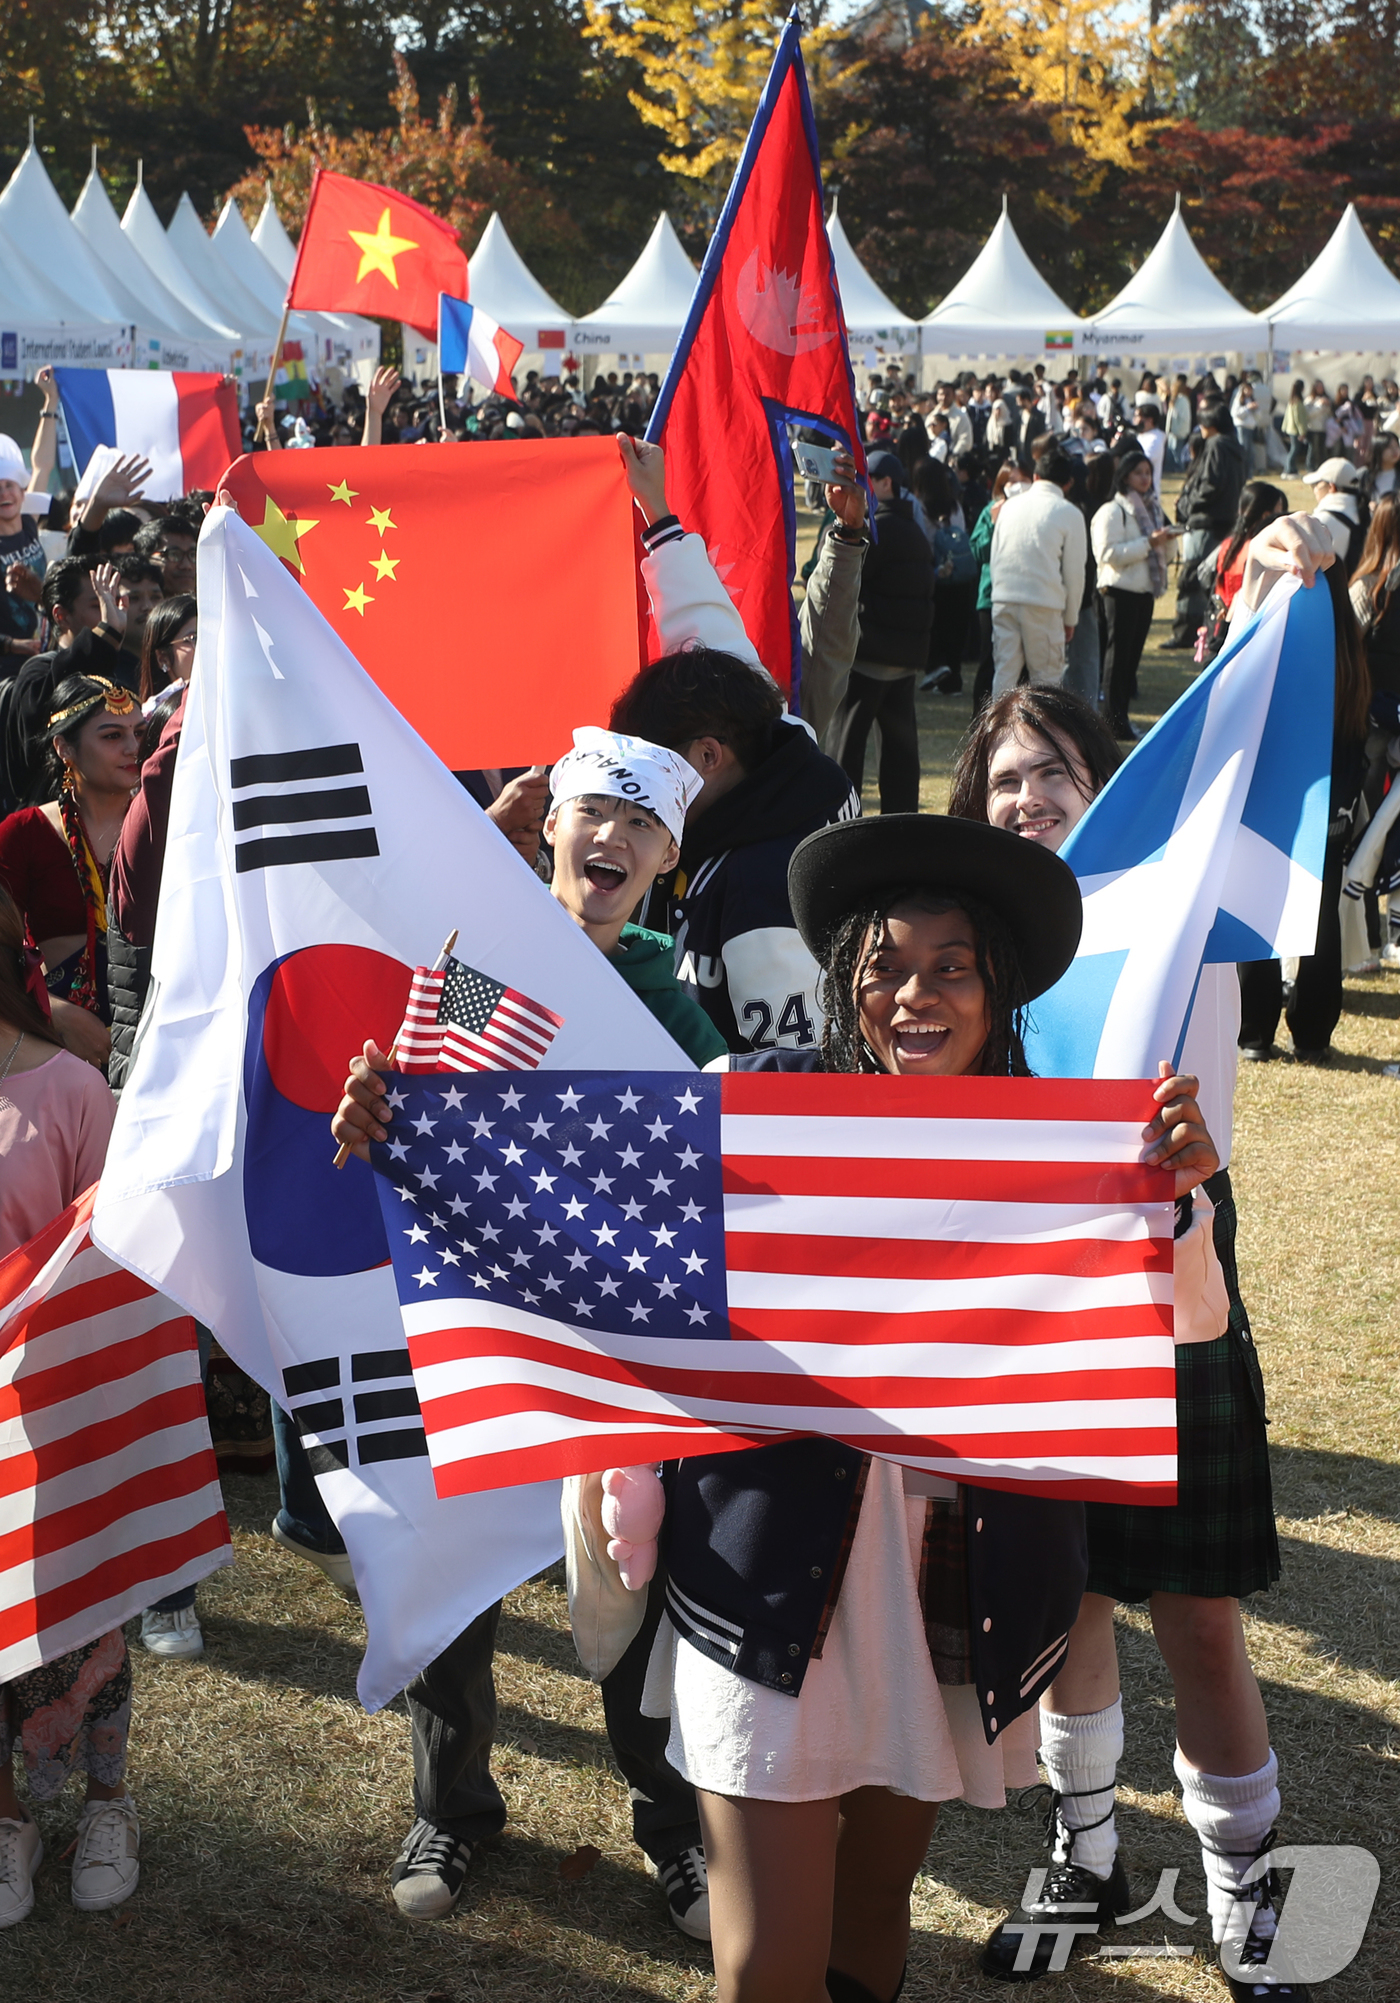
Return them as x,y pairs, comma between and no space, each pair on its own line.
117,702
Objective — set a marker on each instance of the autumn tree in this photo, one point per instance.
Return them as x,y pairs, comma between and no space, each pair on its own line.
1084,62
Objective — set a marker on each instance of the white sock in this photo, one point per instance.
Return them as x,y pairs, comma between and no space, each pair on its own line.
1232,1814
1080,1757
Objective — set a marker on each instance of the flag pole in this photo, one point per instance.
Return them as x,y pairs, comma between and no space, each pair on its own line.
342,1153
264,429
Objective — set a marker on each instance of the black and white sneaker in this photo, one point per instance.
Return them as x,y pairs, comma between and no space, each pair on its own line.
429,1871
686,1884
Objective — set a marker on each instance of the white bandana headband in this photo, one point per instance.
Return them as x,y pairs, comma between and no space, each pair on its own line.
627,768
12,466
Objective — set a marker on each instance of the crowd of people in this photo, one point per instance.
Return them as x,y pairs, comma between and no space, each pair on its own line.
828,1645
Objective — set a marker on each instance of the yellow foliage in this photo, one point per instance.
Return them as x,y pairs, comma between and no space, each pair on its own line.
703,69
1086,61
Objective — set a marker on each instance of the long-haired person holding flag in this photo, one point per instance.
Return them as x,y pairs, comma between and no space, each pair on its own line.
848,1643
1033,764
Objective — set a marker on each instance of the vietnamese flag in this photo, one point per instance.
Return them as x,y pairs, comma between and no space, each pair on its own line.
764,346
367,249
490,590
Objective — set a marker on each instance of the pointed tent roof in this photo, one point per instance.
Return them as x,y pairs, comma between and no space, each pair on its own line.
98,224
190,243
1347,298
238,249
272,240
872,318
503,285
32,297
1175,301
1000,306
32,216
142,225
647,312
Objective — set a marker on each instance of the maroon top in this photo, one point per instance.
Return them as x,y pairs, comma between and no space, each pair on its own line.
41,877
139,856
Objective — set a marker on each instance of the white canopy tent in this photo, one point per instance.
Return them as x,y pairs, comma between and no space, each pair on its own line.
1001,307
33,296
647,312
873,322
187,238
35,220
503,285
335,336
1346,299
272,240
142,226
98,223
1174,304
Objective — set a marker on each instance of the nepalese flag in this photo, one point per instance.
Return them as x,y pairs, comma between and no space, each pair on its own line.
471,343
1205,848
764,346
109,1492
459,1020
185,424
973,1276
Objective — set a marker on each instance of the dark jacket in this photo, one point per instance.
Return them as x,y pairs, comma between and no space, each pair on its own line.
896,590
26,706
755,1546
647,962
737,950
1210,498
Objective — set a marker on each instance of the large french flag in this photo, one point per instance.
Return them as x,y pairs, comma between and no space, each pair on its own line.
185,424
471,343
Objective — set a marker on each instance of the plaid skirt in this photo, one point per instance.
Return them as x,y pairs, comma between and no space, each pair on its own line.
1219,1541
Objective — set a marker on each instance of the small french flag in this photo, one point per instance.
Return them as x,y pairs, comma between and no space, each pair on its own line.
185,424
470,343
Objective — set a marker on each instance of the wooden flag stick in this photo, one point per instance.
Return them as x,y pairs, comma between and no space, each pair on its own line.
342,1153
265,425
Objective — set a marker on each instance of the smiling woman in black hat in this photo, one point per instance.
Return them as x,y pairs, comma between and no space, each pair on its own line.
847,1642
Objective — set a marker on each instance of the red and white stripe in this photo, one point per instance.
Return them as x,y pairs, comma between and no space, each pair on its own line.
985,1294
515,1037
109,1492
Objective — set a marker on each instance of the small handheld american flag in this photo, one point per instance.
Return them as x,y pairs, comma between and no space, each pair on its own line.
460,1020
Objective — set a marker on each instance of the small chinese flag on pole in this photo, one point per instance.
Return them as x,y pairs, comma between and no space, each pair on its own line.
367,249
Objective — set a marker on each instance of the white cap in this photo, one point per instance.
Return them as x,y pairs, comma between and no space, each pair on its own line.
12,466
1336,472
627,768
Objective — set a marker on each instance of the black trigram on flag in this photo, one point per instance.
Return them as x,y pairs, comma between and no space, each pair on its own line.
375,1417
280,790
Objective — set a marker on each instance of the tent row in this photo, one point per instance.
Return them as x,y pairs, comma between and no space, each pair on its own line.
110,292
92,288
1001,307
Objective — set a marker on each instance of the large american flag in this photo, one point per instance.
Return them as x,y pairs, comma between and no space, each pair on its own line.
109,1492
973,1276
459,1020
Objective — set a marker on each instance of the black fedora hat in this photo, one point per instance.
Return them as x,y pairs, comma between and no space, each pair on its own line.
850,865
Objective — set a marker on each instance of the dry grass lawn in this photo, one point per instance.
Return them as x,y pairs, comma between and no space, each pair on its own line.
272,1806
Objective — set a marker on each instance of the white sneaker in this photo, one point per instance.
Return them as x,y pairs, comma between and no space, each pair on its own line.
177,1634
1390,953
335,1564
106,1865
21,1854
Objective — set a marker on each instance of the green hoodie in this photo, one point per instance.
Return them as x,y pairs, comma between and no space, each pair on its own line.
646,961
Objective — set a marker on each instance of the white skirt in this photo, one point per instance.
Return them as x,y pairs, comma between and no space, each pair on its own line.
871,1712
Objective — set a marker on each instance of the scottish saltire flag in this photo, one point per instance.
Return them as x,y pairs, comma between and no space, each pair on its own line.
973,1276
109,1491
304,820
1204,848
185,424
471,343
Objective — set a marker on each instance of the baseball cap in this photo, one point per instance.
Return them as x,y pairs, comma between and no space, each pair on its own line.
885,466
1338,472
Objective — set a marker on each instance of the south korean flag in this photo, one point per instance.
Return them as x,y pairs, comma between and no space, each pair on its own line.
318,851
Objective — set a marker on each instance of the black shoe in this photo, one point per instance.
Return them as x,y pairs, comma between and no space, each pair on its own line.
1255,1985
1070,1893
1322,1056
1175,646
429,1871
939,678
687,1887
1258,1053
1123,730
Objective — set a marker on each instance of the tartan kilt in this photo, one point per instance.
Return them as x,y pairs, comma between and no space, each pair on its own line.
1219,1541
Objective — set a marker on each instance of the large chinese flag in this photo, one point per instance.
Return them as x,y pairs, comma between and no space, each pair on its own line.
765,345
367,249
490,590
